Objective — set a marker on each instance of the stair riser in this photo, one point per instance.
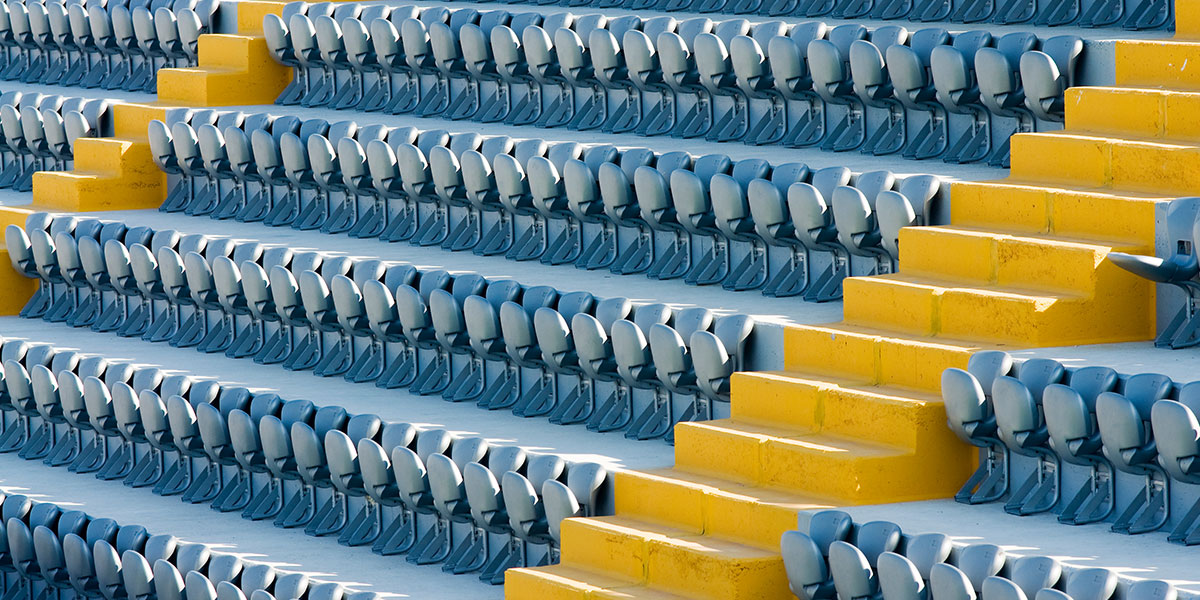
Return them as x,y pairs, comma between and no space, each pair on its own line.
778,400
843,476
683,566
1102,162
1128,221
1118,313
873,359
989,259
233,70
1158,63
699,509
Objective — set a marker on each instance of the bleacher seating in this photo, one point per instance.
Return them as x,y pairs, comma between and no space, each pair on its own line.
1143,425
434,210
432,316
148,442
723,81
705,219
58,551
839,558
112,45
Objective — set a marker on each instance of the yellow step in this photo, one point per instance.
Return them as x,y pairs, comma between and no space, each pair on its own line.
1187,19
116,173
569,582
914,419
234,70
1158,63
849,471
1147,165
924,307
1122,219
1144,112
874,356
702,504
673,560
983,257
15,289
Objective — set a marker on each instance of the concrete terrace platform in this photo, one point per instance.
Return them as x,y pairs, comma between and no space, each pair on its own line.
1146,556
357,569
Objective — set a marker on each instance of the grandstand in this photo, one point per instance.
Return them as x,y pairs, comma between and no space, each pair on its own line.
599,299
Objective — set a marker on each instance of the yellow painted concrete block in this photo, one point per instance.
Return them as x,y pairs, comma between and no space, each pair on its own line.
833,350
892,302
1117,111
881,417
704,567
1124,220
1157,63
999,317
956,254
110,174
234,69
250,14
1047,264
130,121
749,520
616,547
1182,115
1187,19
752,515
636,592
720,448
997,203
16,215
660,498
1155,167
918,363
777,397
836,471
1060,157
15,289
556,582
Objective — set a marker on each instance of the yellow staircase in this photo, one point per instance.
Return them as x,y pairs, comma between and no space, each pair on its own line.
856,416
234,69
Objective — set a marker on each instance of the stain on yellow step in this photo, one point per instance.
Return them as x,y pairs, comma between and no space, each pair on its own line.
872,355
676,561
568,582
700,503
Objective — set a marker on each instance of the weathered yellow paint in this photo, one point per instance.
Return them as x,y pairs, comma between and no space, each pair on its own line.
1158,63
856,416
697,503
1038,157
234,70
250,14
1126,219
1187,19
15,289
1092,110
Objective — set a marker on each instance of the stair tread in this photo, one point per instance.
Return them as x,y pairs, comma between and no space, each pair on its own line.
728,487
1166,143
1057,186
1098,245
592,580
807,438
1008,291
900,393
712,545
